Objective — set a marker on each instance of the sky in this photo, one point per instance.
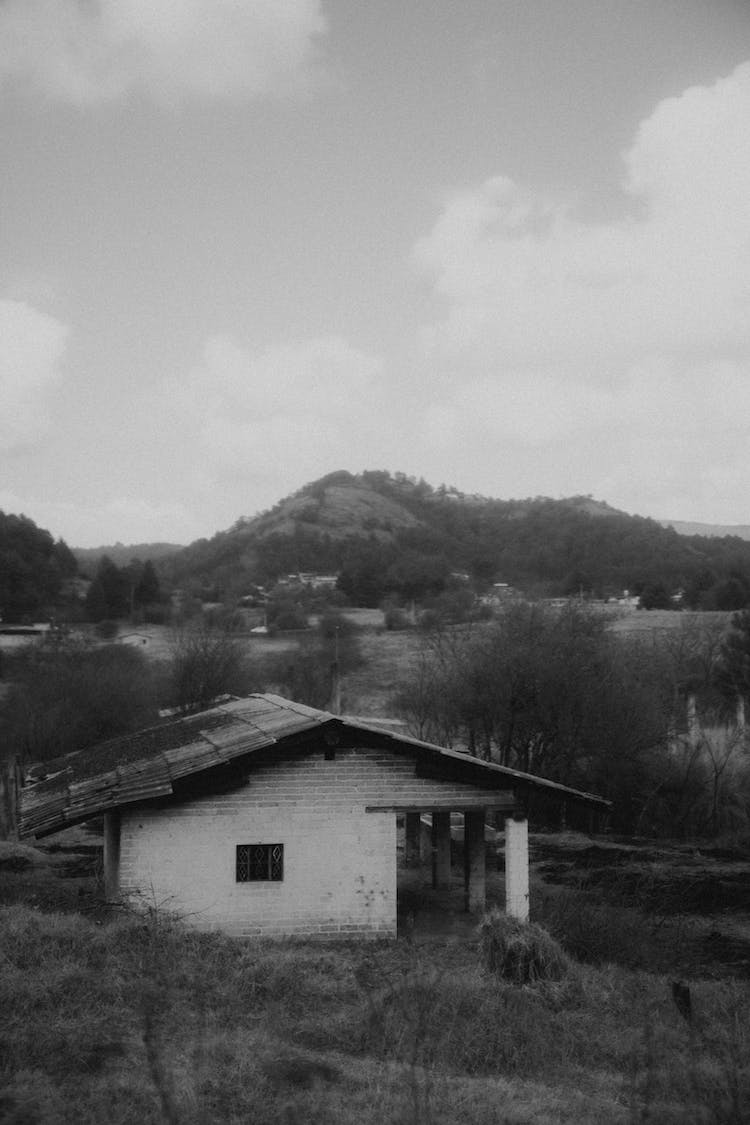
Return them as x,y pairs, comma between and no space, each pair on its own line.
499,244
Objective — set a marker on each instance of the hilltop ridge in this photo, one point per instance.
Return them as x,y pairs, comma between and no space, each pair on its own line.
391,533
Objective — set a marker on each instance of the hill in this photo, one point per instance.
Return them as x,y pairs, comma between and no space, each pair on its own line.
121,554
392,534
710,530
33,569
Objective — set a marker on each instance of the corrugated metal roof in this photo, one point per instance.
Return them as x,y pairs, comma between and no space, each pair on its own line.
145,765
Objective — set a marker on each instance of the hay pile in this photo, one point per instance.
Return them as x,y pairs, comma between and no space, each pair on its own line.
521,952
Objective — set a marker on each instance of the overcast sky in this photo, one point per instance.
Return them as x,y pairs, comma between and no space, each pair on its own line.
501,244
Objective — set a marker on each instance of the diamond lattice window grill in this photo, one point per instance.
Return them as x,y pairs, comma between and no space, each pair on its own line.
260,863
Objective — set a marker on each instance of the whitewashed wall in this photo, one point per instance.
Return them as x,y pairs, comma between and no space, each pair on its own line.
339,859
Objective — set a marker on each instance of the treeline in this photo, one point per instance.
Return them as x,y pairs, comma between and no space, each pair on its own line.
33,570
392,537
70,692
130,591
540,546
652,726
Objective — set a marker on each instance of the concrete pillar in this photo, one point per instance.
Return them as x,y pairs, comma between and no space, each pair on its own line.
517,868
474,861
112,855
411,839
441,850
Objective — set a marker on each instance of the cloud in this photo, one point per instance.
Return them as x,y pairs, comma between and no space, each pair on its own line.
525,280
279,412
118,520
87,51
33,346
630,338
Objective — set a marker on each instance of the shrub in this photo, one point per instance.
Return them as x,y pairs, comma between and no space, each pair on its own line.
107,630
395,619
520,952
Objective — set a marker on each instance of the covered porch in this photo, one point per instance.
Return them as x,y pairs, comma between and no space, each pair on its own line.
447,859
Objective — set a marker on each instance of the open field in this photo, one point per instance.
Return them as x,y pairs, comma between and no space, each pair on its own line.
368,690
658,620
109,1017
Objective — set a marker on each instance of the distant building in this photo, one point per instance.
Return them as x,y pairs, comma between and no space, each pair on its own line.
17,636
306,578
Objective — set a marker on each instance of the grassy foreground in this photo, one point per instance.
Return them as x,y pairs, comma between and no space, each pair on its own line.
140,1020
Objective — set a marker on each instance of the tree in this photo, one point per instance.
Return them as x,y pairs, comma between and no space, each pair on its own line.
32,569
732,594
308,673
147,590
655,595
70,694
206,663
109,593
733,670
549,693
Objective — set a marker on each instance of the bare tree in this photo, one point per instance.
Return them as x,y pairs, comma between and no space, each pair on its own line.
206,664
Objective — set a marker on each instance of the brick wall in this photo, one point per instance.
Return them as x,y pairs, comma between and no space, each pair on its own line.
339,847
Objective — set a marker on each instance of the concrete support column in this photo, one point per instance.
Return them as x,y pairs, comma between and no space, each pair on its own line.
517,869
112,855
474,861
411,839
441,850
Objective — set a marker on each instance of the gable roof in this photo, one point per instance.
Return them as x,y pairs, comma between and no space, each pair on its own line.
148,763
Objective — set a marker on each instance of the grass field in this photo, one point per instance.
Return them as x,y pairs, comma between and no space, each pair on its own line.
108,1017
659,620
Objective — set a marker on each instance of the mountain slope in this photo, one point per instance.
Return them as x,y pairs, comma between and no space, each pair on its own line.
388,533
709,530
121,554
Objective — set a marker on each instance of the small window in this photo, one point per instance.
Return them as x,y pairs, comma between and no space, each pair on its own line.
260,863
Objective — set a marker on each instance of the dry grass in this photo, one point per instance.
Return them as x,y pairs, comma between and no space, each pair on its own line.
521,952
386,660
659,620
135,1021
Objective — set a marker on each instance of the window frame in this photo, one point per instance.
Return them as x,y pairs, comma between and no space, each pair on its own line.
249,868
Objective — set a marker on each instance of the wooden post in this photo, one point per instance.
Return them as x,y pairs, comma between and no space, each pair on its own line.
112,855
441,849
474,862
517,868
10,785
412,825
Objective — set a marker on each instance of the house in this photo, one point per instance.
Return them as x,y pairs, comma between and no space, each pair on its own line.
18,636
262,816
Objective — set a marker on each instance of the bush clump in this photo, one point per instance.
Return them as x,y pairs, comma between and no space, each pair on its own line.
521,952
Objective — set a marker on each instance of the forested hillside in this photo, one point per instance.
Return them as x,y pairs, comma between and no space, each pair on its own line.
32,569
393,535
121,554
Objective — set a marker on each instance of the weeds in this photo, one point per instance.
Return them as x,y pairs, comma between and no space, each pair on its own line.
141,1020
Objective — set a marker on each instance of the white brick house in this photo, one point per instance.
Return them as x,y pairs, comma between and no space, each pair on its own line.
265,817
